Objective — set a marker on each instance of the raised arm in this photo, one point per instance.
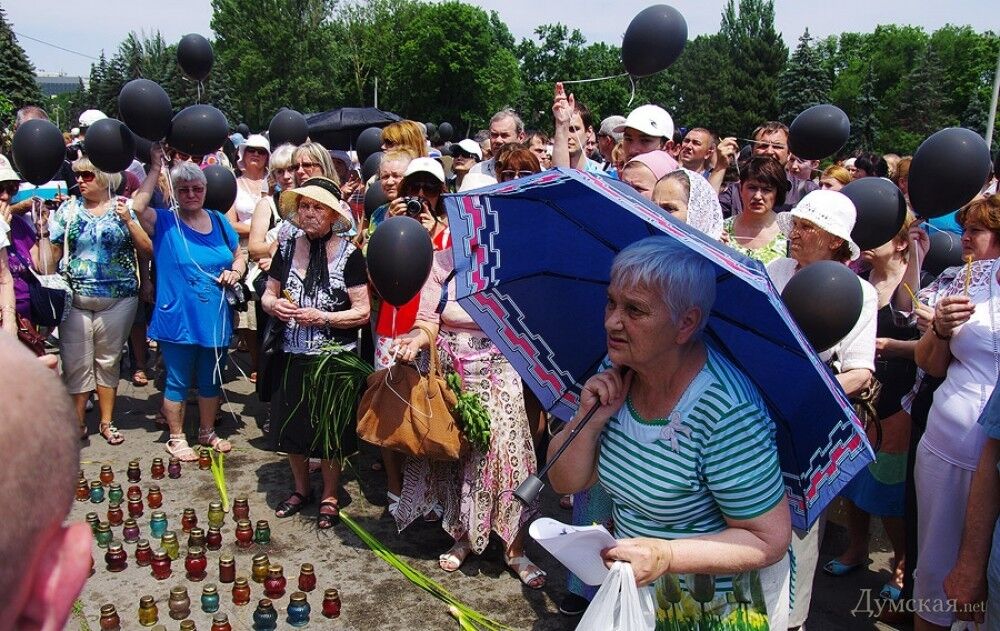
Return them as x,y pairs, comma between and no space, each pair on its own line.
142,197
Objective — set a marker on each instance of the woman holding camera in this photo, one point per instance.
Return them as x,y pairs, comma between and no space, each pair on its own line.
198,260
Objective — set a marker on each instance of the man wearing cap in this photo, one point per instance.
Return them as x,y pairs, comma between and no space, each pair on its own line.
770,139
607,138
572,125
505,127
697,150
465,155
647,128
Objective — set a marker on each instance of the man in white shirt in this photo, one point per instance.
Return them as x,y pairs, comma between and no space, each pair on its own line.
505,127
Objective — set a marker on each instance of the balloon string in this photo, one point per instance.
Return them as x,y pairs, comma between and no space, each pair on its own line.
199,92
631,98
614,76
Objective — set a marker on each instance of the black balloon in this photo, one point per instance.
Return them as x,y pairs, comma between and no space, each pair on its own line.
881,210
654,40
287,126
446,132
198,130
142,148
369,141
948,170
39,151
370,167
243,129
220,188
110,145
945,252
374,197
145,108
195,56
399,259
818,132
825,300
432,131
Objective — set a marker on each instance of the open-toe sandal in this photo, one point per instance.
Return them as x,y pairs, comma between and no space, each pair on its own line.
289,508
453,559
208,438
327,520
110,433
178,447
529,573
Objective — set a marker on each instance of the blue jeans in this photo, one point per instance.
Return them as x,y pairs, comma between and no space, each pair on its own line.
189,364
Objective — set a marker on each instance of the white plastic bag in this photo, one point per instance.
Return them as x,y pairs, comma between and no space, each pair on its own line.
619,605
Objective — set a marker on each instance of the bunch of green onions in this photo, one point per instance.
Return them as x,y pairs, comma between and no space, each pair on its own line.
468,618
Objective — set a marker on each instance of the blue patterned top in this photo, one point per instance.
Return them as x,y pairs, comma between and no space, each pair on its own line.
102,259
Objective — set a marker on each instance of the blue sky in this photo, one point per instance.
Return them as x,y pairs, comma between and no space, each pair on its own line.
102,25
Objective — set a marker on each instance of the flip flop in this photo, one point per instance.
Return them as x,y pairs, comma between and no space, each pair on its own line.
890,592
139,378
836,568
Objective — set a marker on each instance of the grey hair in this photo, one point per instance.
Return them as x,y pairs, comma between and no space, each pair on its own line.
281,158
187,172
27,113
508,112
683,278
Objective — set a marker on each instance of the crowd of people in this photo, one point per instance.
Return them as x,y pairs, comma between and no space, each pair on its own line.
680,460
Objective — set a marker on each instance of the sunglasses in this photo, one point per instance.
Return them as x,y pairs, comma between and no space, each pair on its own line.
513,175
258,150
425,186
185,157
85,176
307,165
10,188
283,172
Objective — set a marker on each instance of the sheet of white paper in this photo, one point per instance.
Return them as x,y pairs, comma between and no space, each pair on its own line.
577,547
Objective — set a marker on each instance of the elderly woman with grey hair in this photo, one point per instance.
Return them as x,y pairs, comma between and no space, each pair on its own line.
198,256
94,239
682,442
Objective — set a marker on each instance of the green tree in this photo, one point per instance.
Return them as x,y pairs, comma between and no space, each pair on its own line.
276,53
864,123
757,55
804,82
17,75
923,106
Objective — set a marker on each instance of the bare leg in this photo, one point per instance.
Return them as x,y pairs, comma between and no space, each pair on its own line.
106,402
530,574
857,531
393,463
300,473
80,403
895,528
251,340
208,407
137,340
173,411
331,479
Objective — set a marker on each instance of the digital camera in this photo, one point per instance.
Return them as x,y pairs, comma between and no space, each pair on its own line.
414,206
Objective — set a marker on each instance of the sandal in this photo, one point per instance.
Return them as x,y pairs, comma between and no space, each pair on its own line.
139,378
208,438
393,502
453,559
177,446
110,433
529,573
289,508
327,520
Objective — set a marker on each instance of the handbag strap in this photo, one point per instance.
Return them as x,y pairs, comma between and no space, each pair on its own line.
434,364
29,277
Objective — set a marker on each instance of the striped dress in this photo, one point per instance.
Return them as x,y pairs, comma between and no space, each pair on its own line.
714,457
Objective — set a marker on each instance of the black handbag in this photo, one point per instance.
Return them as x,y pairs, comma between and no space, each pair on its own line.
48,304
271,354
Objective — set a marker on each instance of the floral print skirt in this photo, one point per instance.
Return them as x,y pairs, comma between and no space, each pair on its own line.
476,492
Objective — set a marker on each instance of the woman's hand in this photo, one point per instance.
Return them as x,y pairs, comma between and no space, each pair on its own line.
650,558
264,263
426,218
925,316
229,278
308,316
147,292
952,312
42,220
156,156
121,209
725,153
408,345
918,237
348,188
607,388
397,207
5,212
284,309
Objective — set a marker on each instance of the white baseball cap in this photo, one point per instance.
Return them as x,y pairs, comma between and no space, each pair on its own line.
89,117
425,165
830,211
651,120
468,146
8,174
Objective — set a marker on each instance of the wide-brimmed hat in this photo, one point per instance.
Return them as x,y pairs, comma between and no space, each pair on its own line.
8,174
830,211
322,190
255,140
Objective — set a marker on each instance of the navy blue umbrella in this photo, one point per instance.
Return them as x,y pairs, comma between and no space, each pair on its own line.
533,259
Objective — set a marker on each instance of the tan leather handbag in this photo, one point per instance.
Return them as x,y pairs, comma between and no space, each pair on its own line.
411,413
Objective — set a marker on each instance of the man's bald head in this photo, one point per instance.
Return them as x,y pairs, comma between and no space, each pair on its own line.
41,453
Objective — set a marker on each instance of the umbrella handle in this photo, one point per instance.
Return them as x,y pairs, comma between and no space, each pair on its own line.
528,490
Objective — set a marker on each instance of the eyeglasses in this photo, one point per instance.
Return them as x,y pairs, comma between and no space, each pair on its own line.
283,172
10,188
258,150
425,186
190,190
85,176
180,156
307,165
513,175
